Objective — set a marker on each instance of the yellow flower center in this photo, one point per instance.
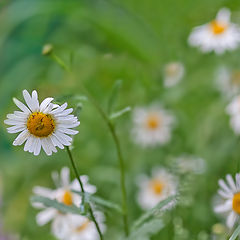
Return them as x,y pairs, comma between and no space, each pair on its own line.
157,186
83,226
236,203
217,27
235,78
67,198
172,69
153,121
40,124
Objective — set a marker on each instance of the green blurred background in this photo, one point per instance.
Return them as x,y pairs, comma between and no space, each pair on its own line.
105,41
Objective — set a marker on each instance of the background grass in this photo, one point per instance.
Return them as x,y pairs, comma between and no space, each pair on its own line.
105,41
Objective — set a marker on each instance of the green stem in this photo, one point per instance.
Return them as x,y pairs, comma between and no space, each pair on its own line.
82,188
116,141
120,158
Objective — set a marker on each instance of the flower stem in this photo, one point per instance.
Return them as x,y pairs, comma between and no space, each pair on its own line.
120,159
82,188
115,139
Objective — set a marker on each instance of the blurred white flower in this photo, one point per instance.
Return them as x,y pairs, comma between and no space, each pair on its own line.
62,194
173,73
156,188
77,227
152,126
228,81
44,125
233,109
218,35
230,193
190,164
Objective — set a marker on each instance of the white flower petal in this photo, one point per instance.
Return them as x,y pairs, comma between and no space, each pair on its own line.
21,106
45,216
45,103
21,138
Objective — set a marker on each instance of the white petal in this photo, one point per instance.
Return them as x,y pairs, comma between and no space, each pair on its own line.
59,109
65,176
37,147
68,131
21,106
16,129
45,216
231,219
56,142
227,206
21,138
45,103
231,182
35,101
224,186
42,191
28,100
28,144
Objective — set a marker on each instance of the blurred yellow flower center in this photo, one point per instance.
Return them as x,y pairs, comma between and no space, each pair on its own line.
83,226
172,69
217,27
153,121
236,203
235,78
67,198
40,124
157,186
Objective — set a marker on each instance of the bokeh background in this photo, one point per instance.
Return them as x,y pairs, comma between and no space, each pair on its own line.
104,41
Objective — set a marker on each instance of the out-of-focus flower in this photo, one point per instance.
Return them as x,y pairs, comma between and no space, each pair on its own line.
44,125
190,164
152,126
219,35
173,73
233,109
76,227
230,193
62,194
158,187
228,81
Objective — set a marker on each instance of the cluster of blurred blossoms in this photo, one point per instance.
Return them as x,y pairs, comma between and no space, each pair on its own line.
67,226
48,125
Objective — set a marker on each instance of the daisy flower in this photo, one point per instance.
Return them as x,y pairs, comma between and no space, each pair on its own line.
76,227
218,35
190,164
228,81
155,189
152,126
173,73
233,109
230,194
62,194
44,125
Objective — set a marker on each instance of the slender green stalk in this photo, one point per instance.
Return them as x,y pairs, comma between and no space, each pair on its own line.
116,141
82,188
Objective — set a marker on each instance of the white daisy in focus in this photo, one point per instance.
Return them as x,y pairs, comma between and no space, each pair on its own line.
152,126
173,73
230,194
76,227
190,164
44,125
62,194
233,109
156,188
228,81
218,35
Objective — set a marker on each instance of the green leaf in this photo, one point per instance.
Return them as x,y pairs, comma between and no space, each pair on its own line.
120,113
100,201
114,94
235,233
154,212
47,202
146,230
